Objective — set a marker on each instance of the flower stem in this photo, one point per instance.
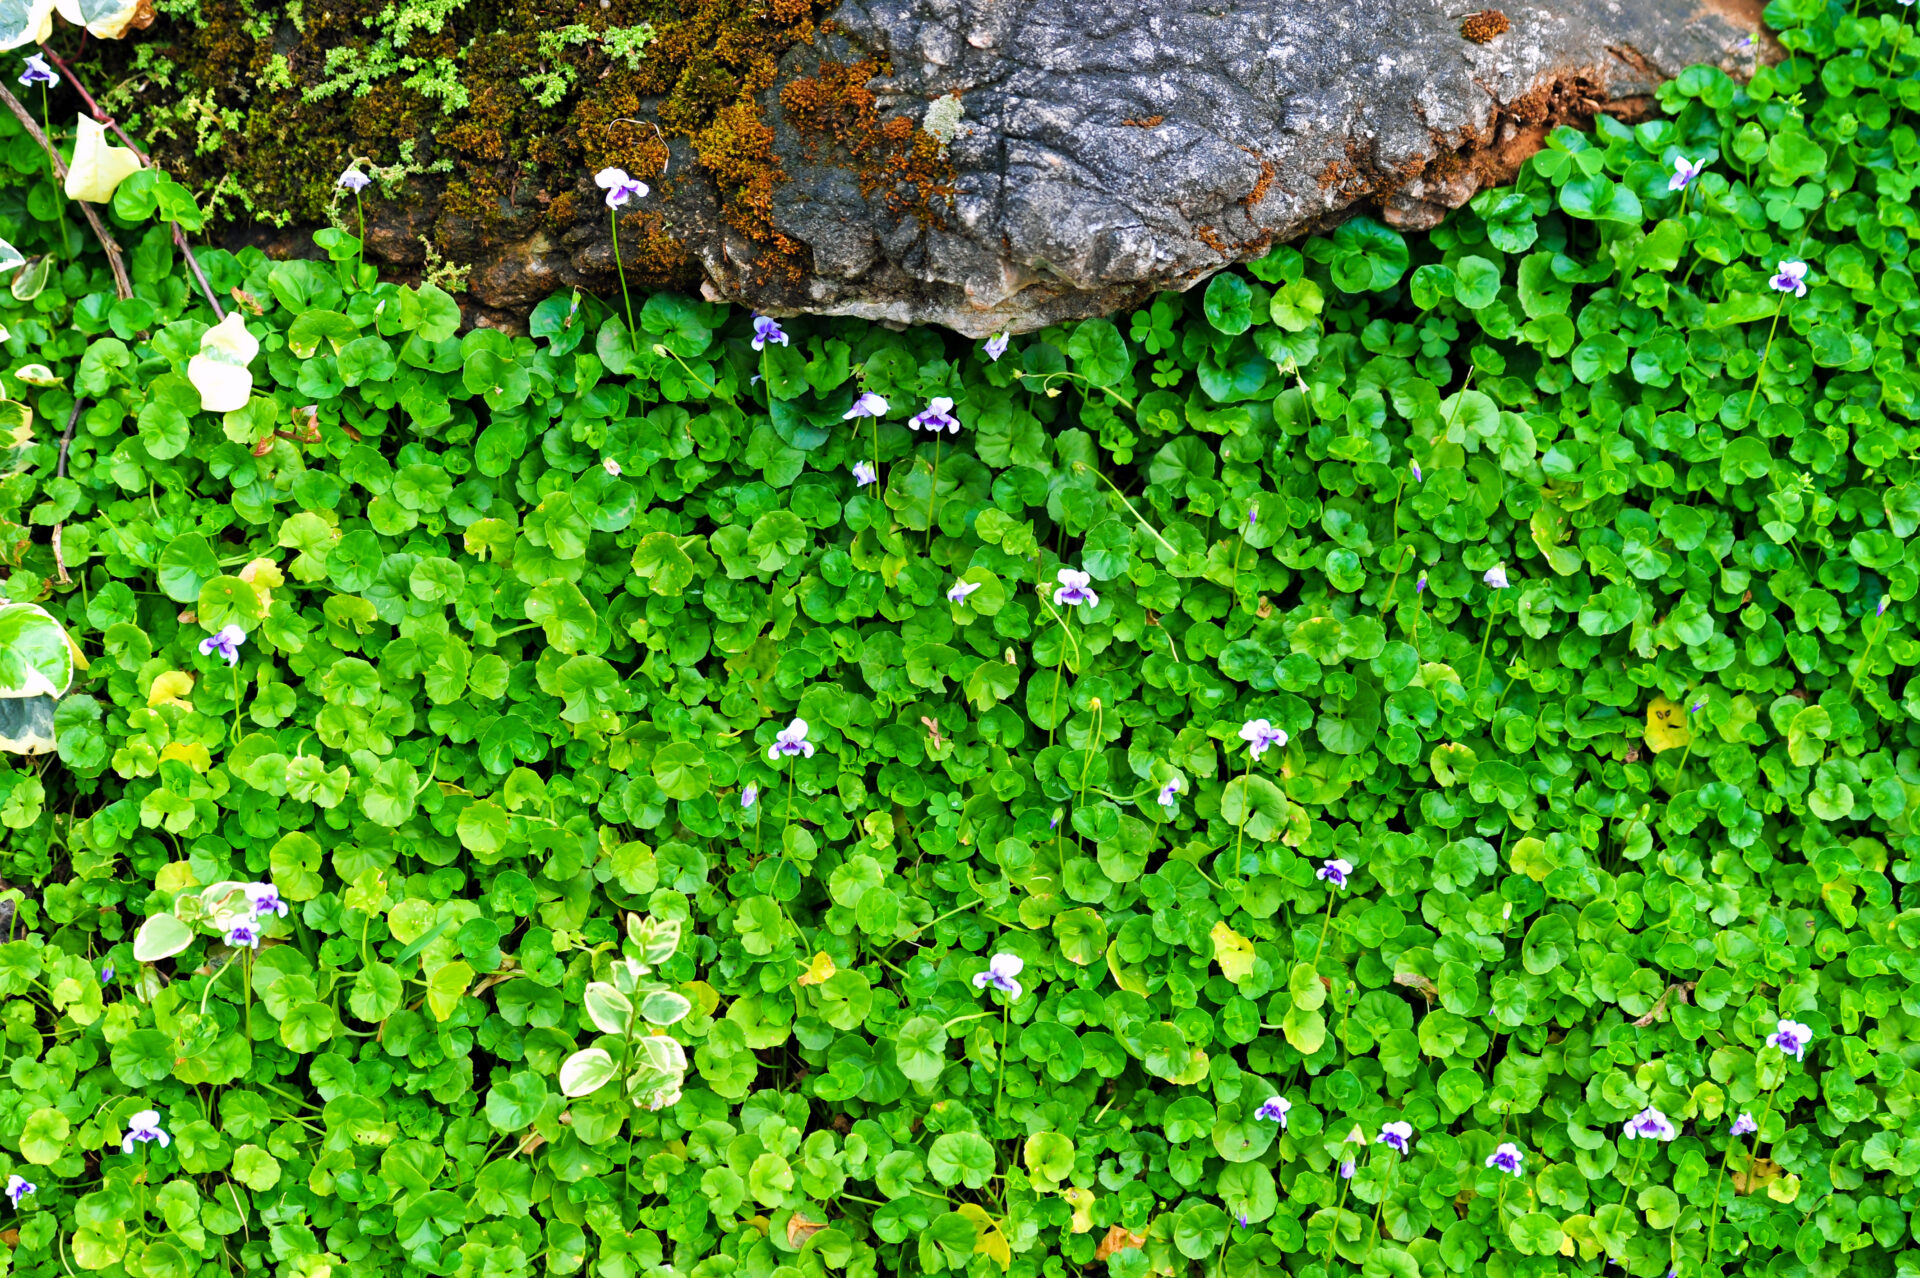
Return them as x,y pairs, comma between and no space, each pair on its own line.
933,487
1412,554
1245,805
1380,1207
613,217
1333,1234
1325,924
1766,351
1726,1156
1484,640
1000,1061
1627,1187
1880,625
1053,709
1130,510
1753,1154
360,253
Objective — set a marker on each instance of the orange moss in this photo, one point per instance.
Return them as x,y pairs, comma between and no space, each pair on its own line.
838,116
1485,25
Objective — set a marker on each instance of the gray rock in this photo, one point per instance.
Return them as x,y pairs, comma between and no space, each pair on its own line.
1107,149
1111,148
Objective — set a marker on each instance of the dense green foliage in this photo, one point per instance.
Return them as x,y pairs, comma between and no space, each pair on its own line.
496,708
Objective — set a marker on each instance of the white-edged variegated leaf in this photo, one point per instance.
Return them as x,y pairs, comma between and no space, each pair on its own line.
609,1010
219,372
107,19
161,936
98,167
25,22
585,1071
664,1007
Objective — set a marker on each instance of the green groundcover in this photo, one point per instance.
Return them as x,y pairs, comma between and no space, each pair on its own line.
1397,762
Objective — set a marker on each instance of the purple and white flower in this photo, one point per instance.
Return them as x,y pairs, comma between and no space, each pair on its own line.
611,466
1684,172
1170,793
749,795
961,589
1792,278
1881,608
1395,1136
1074,588
352,179
1792,1038
1744,1125
936,417
1274,1110
1336,872
790,741
997,345
226,642
619,187
1346,1169
243,936
863,474
36,71
767,329
1259,734
868,405
1420,586
143,1127
1650,1124
1002,969
19,1187
1507,1158
1496,577
1418,478
265,899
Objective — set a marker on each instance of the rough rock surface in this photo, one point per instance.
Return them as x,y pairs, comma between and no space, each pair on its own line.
1110,148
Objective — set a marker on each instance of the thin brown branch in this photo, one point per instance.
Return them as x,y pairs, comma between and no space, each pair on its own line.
122,284
107,121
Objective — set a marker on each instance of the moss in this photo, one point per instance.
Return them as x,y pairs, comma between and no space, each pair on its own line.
509,161
839,118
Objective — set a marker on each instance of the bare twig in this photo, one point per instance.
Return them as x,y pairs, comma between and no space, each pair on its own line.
60,472
122,284
107,121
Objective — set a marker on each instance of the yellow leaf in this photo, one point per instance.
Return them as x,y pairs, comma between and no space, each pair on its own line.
1119,1238
1666,726
1785,1189
1232,951
987,1240
446,987
819,970
170,688
800,1228
1127,980
1081,1200
174,876
191,753
98,166
263,575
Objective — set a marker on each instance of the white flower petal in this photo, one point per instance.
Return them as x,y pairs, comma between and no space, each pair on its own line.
219,371
98,167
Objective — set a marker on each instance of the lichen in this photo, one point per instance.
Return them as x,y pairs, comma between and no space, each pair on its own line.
266,103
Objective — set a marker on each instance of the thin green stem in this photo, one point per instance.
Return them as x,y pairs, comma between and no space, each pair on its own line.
1484,640
1325,924
1000,1059
1380,1207
1880,625
1130,509
1245,805
1339,1206
1765,352
613,217
1753,1154
1394,587
59,196
1726,1156
360,253
1627,1187
1893,49
1053,709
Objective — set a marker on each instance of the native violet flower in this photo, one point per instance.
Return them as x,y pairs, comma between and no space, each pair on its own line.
1169,793
143,1127
243,936
1074,588
1684,172
1881,609
1418,478
265,899
1243,1220
936,417
749,795
611,466
1395,1136
1744,1125
1420,586
36,71
1696,706
1000,973
19,1187
1791,279
868,405
997,345
1346,1169
227,643
791,740
1259,734
961,589
352,179
863,475
106,974
1274,1110
1792,1038
619,187
1650,1124
1335,872
1496,577
1507,1158
767,329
